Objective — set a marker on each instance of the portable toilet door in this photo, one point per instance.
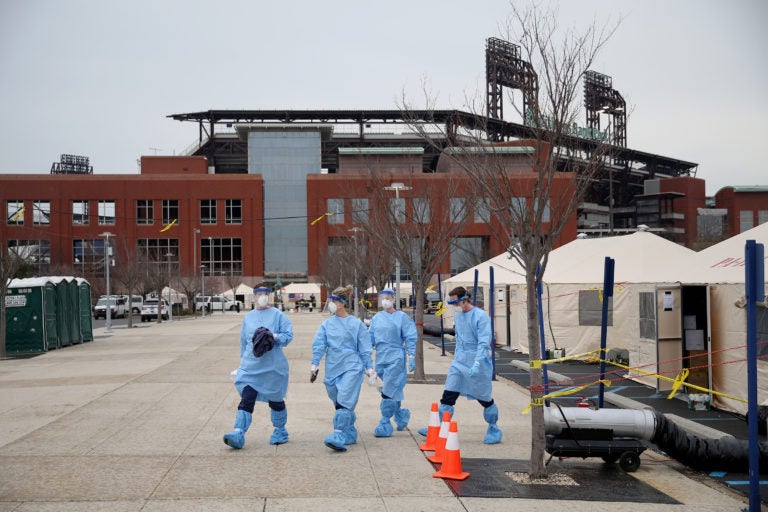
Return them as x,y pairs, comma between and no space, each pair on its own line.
73,292
49,315
62,311
25,326
84,296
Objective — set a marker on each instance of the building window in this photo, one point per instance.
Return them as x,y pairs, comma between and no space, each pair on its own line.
233,211
152,252
545,213
482,214
88,256
222,256
80,212
762,216
145,211
207,211
336,209
14,212
421,212
360,210
170,210
35,253
41,213
458,210
397,209
591,308
746,220
468,251
106,213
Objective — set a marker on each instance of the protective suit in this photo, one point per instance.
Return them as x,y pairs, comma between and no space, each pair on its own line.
267,374
263,373
347,349
473,343
394,336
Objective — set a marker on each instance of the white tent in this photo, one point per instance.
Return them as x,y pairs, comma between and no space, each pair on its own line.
723,266
645,264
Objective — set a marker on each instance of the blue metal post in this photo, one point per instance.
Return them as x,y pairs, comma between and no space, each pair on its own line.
492,309
607,294
474,289
755,292
542,338
442,332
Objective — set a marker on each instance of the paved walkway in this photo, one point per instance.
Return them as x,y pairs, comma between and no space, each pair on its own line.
133,421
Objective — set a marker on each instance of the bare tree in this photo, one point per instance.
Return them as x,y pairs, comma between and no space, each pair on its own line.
416,227
527,200
233,281
11,262
190,285
130,274
155,279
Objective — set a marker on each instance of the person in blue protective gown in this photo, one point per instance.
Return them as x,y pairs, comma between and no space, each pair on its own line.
344,341
471,371
393,335
263,372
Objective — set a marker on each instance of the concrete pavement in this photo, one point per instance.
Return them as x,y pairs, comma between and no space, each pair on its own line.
133,421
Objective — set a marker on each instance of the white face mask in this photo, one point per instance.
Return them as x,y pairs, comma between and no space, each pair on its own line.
332,308
458,309
386,303
262,300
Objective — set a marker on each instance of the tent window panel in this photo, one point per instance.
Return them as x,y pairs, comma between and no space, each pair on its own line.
762,332
647,315
591,308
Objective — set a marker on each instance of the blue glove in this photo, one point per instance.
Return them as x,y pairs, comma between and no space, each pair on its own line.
411,364
475,369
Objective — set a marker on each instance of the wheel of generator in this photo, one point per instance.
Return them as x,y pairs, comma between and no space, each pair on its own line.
629,461
610,459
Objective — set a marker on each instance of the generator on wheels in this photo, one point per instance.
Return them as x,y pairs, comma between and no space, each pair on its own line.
582,432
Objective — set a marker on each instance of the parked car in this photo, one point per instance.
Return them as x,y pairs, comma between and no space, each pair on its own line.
117,307
215,303
149,310
136,301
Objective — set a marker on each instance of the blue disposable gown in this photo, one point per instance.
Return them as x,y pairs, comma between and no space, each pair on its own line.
347,349
473,343
267,374
393,335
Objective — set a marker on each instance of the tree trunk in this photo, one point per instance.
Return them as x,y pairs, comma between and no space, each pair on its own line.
538,470
418,318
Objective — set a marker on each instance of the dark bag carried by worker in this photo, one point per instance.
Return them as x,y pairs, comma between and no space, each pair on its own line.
263,341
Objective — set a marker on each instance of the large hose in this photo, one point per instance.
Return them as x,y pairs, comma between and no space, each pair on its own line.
724,454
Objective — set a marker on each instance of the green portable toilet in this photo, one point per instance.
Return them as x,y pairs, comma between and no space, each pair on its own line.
31,316
63,307
86,321
73,292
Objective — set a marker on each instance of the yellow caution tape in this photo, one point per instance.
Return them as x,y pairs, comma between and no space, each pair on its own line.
679,380
326,214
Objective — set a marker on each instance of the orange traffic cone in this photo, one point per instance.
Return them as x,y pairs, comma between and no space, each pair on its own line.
442,438
433,430
451,467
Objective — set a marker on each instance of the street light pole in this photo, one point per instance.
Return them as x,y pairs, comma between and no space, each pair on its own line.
222,293
168,255
107,262
355,230
195,231
202,280
397,187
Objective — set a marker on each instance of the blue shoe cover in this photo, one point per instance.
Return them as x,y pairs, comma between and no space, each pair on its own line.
492,435
236,438
402,417
383,429
422,431
336,441
279,419
342,423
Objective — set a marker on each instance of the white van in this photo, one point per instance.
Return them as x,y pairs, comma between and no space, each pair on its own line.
214,303
135,301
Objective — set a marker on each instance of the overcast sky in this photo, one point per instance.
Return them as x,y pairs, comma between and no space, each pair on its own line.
99,77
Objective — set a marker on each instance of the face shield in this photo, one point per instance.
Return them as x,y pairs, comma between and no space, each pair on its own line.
386,299
262,296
